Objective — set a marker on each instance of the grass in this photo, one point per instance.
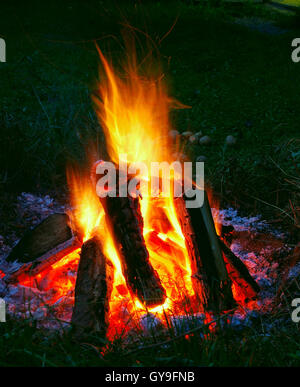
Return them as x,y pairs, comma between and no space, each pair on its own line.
288,2
237,81
24,345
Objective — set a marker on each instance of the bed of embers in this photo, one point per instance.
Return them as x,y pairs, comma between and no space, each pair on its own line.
49,299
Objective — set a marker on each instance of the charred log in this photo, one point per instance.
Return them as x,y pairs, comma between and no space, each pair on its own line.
124,219
47,235
125,223
239,273
209,275
200,278
31,269
92,291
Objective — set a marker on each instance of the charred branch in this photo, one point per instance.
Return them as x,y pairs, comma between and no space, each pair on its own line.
125,223
44,262
209,275
50,233
92,291
239,273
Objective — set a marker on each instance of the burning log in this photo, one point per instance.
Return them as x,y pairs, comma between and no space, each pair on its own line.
92,291
125,222
44,245
209,275
47,235
40,264
239,273
124,219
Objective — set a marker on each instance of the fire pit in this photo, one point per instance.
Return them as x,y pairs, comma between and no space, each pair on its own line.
112,259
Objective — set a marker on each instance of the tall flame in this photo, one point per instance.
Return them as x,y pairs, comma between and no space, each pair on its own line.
134,114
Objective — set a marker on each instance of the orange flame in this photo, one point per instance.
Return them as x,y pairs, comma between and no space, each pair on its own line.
86,212
134,114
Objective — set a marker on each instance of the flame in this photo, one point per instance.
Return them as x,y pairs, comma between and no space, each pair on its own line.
134,114
86,213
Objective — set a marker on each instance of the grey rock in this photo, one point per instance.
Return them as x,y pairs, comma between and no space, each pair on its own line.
205,140
198,134
230,140
187,134
201,159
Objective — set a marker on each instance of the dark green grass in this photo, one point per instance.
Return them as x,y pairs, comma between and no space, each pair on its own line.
24,345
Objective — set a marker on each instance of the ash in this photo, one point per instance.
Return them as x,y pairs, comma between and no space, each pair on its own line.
261,248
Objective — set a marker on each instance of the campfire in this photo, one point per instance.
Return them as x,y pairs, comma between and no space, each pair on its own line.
132,255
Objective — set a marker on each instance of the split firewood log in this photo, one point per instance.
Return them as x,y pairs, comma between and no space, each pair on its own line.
47,235
125,223
40,248
92,291
209,275
238,273
22,271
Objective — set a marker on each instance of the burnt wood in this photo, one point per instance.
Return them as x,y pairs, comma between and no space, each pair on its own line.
239,273
124,220
47,235
209,275
21,271
125,223
200,277
92,291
